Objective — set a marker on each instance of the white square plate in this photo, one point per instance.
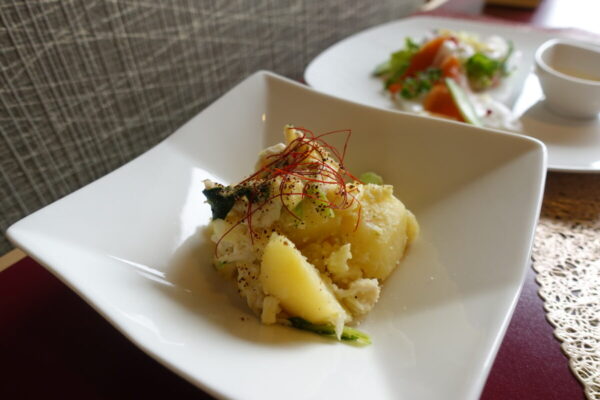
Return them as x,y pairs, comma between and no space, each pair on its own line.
132,244
345,70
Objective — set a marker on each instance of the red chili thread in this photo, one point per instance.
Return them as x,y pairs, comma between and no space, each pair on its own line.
298,160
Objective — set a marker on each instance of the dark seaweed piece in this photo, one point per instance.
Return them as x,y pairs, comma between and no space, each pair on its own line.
223,198
221,202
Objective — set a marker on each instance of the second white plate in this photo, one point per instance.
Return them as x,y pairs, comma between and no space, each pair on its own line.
345,70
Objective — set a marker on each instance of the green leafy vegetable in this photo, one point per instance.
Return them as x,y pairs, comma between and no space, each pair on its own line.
382,68
411,45
351,335
398,63
484,71
394,68
462,102
371,177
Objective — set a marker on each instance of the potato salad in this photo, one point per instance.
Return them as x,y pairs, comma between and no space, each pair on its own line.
308,244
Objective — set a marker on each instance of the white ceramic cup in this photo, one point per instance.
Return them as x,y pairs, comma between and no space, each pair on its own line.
569,74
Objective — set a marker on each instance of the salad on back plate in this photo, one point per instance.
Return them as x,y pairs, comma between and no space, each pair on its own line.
450,74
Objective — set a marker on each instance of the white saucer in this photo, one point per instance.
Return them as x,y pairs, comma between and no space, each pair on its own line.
573,145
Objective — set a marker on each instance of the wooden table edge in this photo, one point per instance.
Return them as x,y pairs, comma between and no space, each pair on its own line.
11,258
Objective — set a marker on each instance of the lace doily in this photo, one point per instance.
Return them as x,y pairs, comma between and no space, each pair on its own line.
566,256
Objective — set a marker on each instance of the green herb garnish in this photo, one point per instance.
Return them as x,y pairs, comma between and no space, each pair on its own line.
323,205
299,209
371,177
350,335
422,83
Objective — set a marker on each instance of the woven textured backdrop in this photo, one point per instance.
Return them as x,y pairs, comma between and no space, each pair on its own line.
86,85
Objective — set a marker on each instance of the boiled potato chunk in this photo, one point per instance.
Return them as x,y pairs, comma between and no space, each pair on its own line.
384,230
288,276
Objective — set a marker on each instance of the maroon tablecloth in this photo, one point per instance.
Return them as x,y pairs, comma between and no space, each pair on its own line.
52,344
